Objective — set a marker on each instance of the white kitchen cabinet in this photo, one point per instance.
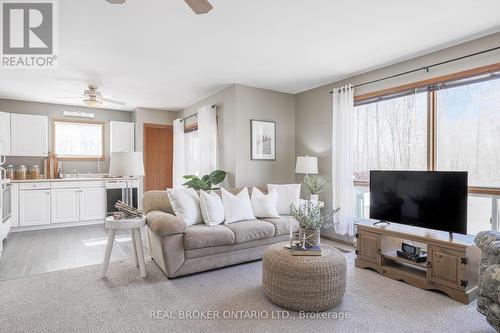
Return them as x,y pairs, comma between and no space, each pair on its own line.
92,203
121,136
28,135
14,205
5,133
34,207
65,205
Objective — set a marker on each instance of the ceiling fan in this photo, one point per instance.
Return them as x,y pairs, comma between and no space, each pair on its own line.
93,97
198,6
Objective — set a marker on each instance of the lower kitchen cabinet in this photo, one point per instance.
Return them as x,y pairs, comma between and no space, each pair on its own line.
44,203
34,207
65,205
92,203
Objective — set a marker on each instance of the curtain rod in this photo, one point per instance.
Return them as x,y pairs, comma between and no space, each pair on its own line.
213,107
424,68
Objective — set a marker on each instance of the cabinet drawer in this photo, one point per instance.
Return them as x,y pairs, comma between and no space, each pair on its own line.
34,186
93,183
79,184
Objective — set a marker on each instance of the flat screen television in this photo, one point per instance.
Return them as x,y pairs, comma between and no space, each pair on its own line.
429,199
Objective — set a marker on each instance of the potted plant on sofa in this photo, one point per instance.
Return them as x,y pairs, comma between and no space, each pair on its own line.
314,185
206,182
310,221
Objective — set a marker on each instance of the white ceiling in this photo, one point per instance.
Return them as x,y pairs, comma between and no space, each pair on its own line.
158,54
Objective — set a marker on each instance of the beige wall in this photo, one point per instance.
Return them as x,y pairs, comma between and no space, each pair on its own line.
262,104
239,104
314,107
56,111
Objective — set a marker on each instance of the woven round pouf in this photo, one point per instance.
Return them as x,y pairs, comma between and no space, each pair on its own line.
303,283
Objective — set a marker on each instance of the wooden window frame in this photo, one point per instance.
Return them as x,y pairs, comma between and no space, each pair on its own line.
79,121
432,115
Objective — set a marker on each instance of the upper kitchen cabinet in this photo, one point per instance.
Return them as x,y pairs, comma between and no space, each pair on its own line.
28,135
5,133
121,136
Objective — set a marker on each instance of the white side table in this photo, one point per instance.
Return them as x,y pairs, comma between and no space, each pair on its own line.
134,225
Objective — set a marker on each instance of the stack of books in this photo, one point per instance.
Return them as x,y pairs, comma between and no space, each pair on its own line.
297,250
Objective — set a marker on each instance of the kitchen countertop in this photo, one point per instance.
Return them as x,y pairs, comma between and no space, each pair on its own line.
71,179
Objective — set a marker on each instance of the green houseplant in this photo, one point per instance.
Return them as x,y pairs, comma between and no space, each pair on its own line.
314,185
206,182
310,221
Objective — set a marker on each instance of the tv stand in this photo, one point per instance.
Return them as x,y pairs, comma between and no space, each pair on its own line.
452,260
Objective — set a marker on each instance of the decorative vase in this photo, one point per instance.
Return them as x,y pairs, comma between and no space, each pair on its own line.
309,237
314,197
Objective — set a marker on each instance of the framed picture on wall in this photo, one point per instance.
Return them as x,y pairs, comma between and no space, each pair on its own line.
263,140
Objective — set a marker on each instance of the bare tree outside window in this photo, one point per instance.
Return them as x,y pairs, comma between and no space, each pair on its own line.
391,135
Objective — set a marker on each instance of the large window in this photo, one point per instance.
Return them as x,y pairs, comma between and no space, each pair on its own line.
468,131
78,140
452,125
390,135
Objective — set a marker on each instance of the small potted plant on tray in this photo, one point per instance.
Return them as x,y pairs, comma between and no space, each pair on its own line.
310,221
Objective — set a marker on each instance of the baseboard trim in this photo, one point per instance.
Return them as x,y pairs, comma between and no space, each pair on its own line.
55,225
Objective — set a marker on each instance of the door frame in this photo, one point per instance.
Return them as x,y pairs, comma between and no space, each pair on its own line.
144,151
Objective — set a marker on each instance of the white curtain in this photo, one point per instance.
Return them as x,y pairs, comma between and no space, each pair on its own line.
179,160
207,138
343,158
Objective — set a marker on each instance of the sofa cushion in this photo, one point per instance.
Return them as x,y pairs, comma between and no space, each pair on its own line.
201,235
249,230
282,225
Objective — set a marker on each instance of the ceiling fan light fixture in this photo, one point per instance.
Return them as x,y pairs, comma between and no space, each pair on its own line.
92,102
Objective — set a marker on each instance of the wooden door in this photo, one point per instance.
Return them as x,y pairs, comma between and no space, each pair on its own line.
369,247
158,156
446,267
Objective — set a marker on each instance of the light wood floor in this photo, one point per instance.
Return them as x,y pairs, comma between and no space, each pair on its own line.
32,252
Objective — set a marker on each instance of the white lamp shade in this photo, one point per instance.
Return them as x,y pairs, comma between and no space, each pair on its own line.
306,164
126,164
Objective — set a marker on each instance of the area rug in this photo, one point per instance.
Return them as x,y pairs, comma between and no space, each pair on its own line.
224,300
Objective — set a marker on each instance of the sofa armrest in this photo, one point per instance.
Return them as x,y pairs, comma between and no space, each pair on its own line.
163,224
489,243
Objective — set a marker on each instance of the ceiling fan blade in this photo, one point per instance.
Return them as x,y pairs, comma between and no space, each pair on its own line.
108,100
199,6
116,2
70,97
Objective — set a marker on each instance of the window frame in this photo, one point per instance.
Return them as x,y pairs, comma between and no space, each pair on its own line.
78,121
432,115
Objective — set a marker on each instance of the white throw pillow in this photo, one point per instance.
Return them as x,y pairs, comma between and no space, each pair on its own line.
185,204
237,207
287,195
212,208
265,205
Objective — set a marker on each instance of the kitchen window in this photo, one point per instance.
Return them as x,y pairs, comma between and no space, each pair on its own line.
78,139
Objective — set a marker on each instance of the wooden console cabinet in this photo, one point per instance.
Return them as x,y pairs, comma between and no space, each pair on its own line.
452,264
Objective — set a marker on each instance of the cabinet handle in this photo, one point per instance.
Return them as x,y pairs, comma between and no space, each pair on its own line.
379,251
428,264
47,192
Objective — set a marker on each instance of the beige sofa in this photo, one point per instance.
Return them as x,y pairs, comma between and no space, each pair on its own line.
179,249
